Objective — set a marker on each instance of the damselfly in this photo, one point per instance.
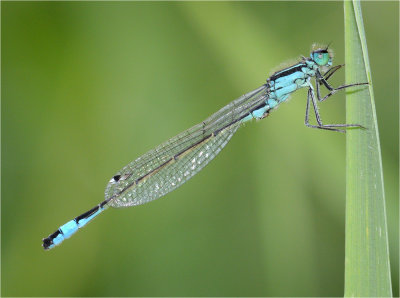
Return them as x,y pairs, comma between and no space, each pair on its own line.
175,161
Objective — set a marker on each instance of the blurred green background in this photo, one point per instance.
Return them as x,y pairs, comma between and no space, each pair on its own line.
89,86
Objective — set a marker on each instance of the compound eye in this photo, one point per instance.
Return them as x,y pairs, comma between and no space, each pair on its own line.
321,58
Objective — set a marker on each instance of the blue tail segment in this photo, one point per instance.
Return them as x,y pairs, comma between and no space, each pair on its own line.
68,229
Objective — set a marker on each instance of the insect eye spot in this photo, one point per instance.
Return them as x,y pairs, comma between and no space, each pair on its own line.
116,178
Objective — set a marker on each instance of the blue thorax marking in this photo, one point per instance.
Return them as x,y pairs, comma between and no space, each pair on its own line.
288,80
287,71
282,84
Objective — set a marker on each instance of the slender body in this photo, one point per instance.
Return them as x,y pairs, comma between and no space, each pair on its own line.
172,163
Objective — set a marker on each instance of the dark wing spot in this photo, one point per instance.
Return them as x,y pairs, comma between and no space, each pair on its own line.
116,178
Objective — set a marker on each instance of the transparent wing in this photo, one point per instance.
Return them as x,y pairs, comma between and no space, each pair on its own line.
175,172
169,165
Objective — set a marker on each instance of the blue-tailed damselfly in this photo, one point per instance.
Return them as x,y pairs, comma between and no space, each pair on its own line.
175,161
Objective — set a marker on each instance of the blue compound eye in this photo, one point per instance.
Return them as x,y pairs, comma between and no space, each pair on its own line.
321,57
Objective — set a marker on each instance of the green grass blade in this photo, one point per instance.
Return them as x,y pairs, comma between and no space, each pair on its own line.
367,269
